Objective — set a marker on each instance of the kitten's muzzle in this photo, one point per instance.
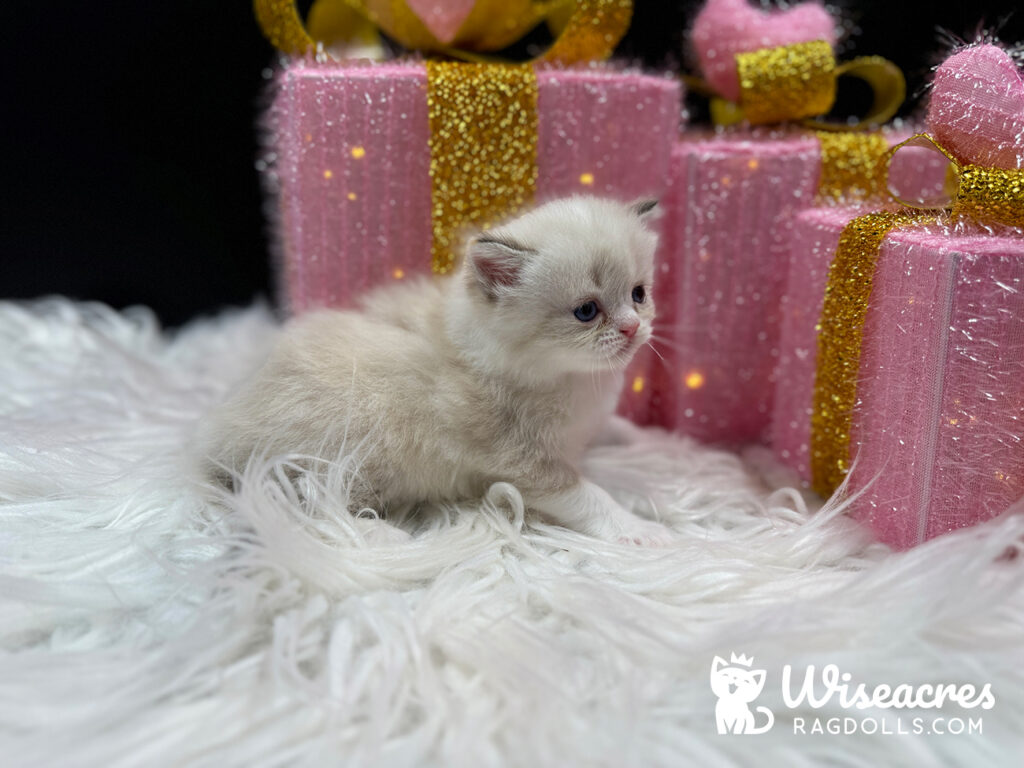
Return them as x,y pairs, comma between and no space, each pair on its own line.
628,328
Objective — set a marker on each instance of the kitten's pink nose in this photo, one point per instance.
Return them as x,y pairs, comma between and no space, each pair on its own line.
629,327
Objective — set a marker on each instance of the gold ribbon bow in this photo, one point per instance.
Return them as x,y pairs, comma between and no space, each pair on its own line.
483,117
986,195
591,29
798,81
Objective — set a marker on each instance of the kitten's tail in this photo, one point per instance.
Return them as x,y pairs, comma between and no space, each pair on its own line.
767,726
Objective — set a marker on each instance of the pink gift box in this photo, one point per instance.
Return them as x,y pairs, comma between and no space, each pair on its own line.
938,431
351,162
729,208
729,214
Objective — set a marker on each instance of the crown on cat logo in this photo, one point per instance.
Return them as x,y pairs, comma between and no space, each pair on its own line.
743,660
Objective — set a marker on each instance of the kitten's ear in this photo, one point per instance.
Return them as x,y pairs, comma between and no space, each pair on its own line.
758,677
645,208
497,261
717,664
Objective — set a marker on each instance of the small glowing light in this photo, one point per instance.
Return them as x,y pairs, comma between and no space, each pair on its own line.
954,422
586,179
705,256
309,137
694,380
1001,476
358,152
726,181
753,163
398,273
352,195
638,384
328,174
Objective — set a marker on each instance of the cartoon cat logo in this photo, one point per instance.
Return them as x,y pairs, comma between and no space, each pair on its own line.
736,685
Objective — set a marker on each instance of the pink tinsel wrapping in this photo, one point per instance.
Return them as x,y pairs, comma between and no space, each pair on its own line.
814,240
726,249
728,213
351,172
976,108
938,428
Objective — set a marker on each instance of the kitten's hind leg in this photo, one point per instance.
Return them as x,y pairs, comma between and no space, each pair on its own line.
588,508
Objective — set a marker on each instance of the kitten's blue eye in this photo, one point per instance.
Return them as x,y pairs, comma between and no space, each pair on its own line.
586,312
639,294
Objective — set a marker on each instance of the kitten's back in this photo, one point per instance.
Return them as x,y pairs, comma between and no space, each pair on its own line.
384,383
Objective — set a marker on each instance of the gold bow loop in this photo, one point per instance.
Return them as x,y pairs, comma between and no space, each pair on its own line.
987,195
589,29
798,82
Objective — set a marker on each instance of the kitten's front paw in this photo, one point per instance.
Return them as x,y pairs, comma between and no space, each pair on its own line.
646,533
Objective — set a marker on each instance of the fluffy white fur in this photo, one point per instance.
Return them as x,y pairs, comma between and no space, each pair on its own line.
143,624
441,388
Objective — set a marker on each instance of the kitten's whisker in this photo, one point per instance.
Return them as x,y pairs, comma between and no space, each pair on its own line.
673,344
655,350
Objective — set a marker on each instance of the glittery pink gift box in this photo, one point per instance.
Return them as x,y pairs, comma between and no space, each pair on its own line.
729,214
348,168
351,171
729,209
938,431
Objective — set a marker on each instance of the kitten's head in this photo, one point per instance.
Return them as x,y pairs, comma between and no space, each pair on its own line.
735,682
566,286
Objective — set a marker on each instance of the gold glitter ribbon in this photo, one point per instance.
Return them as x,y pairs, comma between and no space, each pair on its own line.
850,279
986,195
282,26
787,82
483,147
798,81
853,165
591,30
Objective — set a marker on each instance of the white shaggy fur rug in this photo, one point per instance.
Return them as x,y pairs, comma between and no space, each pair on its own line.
146,622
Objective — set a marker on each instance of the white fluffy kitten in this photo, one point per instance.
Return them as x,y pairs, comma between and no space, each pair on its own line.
505,372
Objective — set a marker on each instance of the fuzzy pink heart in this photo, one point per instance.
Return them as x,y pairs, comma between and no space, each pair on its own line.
977,107
442,17
724,28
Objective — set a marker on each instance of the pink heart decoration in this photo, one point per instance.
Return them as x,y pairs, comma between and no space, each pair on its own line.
442,17
976,109
724,28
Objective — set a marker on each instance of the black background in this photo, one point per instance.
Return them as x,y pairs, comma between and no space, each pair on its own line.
130,144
